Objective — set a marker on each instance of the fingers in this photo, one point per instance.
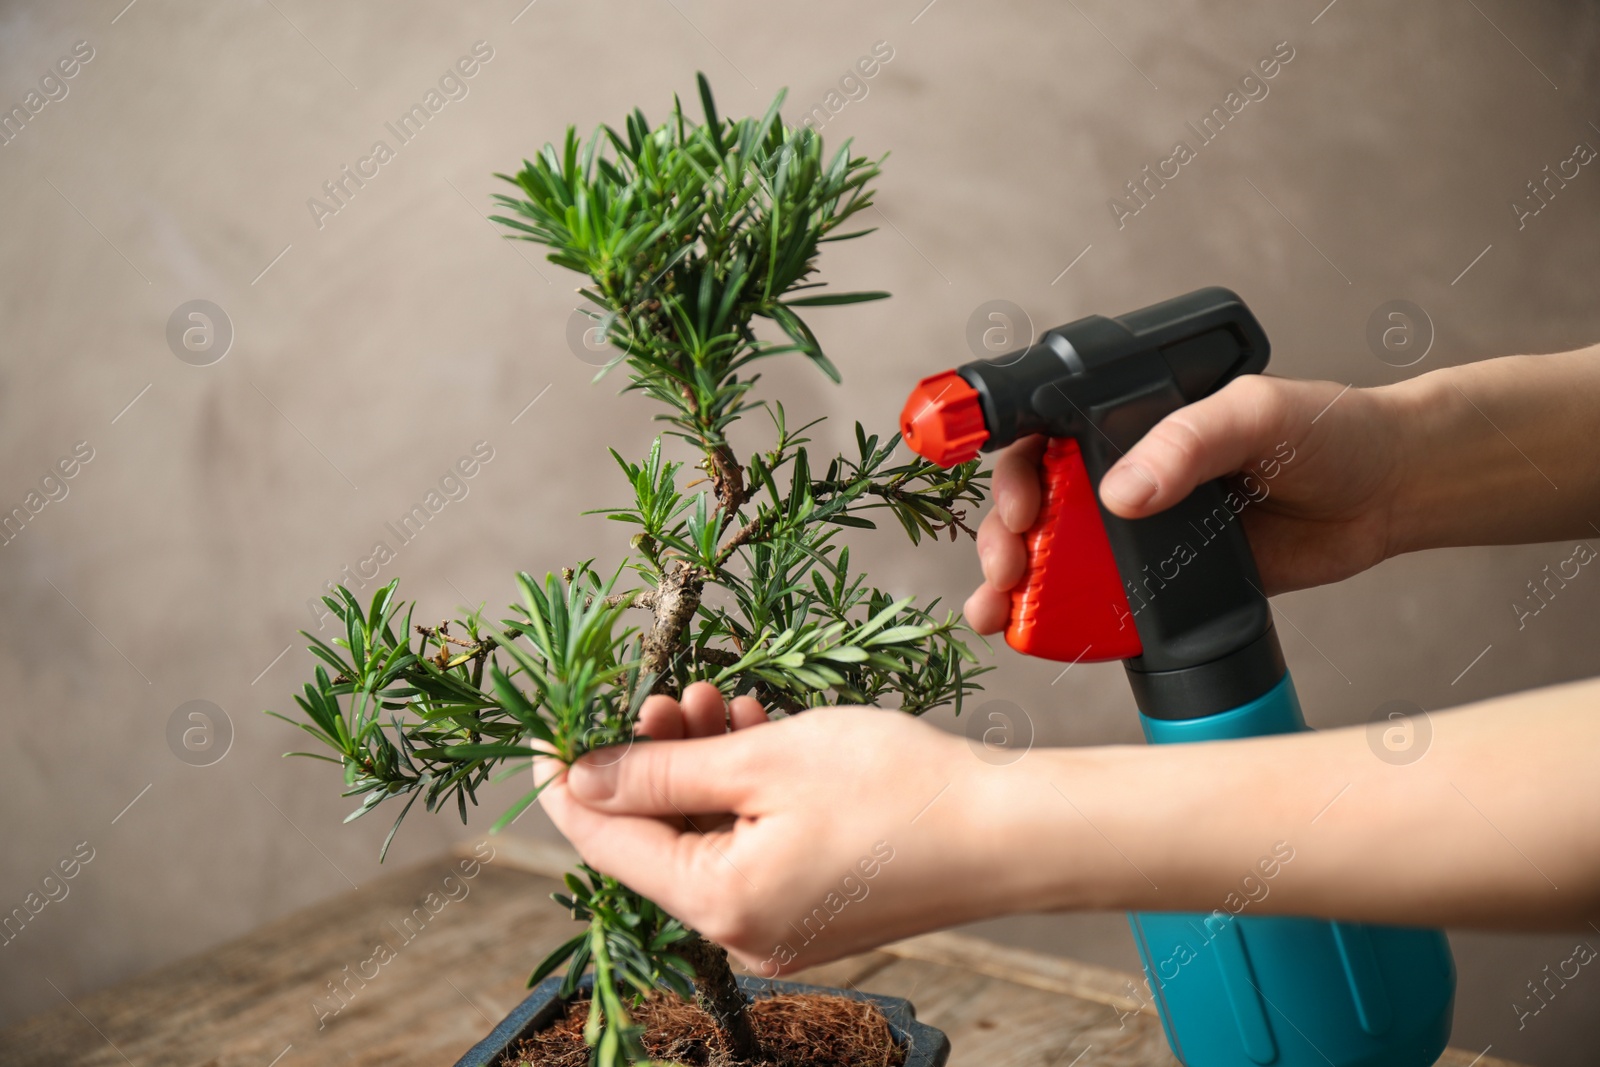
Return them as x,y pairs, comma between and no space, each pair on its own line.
547,773
1205,440
643,850
702,713
661,719
988,610
705,775
1000,552
746,711
1016,483
1000,548
678,868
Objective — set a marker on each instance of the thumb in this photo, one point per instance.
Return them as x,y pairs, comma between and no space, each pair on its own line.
704,776
1204,440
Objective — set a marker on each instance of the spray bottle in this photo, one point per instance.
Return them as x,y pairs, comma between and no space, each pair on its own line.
1176,597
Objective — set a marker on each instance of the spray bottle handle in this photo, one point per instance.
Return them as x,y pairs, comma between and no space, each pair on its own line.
1070,604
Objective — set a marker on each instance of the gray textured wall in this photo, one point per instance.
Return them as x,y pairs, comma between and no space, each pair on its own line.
375,349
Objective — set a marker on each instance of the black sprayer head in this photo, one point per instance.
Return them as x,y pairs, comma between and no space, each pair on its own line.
1126,369
1188,583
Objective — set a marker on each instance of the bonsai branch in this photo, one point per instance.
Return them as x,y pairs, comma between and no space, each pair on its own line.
636,598
475,653
745,534
892,494
441,634
727,475
724,468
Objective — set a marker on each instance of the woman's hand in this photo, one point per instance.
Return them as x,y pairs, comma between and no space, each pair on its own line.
793,842
841,829
1320,464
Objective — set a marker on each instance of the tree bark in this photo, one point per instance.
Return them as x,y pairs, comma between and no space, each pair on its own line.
719,996
677,598
727,474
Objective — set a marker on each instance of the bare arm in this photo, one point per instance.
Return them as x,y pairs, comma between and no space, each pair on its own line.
1501,452
1497,825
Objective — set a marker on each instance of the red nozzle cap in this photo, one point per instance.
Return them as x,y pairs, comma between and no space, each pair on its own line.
943,420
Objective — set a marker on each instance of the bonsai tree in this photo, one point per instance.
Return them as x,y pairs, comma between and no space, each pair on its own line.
688,233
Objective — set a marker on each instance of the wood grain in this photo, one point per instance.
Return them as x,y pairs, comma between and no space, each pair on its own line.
458,949
1054,974
268,994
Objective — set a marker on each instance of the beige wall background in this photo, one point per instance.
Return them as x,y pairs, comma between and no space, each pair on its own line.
372,351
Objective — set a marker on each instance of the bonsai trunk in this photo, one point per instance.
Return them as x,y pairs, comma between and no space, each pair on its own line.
719,996
675,600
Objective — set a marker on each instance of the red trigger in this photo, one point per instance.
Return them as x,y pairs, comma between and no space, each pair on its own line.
1070,604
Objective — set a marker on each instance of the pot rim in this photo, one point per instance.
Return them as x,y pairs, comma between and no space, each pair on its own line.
925,1045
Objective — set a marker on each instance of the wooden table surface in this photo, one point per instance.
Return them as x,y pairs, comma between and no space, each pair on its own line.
266,1000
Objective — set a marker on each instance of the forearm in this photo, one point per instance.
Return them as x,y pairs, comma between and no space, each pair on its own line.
1498,452
832,832
1497,825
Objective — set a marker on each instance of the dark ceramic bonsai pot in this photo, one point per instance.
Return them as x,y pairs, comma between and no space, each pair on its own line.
925,1046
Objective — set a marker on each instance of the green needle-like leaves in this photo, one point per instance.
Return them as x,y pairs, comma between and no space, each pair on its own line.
699,242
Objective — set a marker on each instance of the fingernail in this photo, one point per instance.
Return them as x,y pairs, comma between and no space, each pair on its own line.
984,556
589,780
1127,484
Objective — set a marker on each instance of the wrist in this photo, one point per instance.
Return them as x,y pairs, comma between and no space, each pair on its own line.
1425,496
1485,447
1046,845
1137,827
